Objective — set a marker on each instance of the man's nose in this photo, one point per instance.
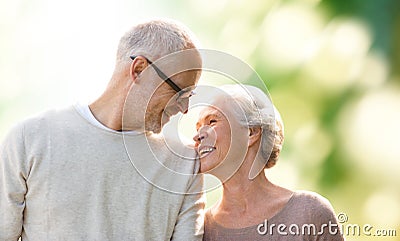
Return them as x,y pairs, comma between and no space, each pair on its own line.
183,105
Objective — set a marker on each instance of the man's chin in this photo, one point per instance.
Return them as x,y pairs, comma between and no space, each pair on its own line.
157,127
157,131
164,120
153,127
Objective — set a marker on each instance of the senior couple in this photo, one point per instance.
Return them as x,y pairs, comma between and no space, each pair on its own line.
104,172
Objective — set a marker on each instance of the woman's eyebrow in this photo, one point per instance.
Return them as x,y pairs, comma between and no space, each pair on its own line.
206,118
211,115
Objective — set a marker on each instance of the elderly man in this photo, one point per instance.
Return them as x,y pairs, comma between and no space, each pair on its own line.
101,171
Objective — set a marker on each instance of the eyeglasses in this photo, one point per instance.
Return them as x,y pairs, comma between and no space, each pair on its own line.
161,74
181,94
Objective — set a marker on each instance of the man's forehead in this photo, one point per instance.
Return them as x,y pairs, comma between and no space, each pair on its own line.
187,80
181,61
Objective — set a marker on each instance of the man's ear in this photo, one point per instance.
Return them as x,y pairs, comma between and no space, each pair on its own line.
137,66
254,135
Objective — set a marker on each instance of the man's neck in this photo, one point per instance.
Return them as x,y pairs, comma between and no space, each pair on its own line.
107,112
110,109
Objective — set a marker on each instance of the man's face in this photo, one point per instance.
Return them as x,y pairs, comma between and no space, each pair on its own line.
166,102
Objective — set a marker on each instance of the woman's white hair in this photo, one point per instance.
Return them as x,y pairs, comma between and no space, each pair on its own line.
154,39
256,110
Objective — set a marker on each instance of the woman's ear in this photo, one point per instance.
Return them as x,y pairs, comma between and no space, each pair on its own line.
254,135
137,66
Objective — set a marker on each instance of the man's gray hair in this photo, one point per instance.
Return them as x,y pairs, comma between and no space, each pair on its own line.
154,39
256,110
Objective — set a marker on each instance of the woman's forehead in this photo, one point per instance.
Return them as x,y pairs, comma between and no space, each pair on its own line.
222,109
209,111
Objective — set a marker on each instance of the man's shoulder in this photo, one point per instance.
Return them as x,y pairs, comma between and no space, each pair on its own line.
48,115
43,121
33,127
174,145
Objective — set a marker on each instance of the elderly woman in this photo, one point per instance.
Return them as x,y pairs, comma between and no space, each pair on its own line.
239,134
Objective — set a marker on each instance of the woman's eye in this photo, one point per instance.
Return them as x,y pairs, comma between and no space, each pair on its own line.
212,121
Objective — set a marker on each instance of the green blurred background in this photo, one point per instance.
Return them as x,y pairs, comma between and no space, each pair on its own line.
331,66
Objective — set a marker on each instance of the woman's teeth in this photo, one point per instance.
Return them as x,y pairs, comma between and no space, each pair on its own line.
206,150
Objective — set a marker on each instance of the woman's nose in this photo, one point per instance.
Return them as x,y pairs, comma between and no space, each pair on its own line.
199,136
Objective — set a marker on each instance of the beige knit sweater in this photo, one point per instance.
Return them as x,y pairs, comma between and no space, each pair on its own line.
62,178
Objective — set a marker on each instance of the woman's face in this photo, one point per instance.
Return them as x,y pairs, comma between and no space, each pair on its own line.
221,141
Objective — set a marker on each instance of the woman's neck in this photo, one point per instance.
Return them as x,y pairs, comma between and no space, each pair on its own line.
242,192
242,195
246,202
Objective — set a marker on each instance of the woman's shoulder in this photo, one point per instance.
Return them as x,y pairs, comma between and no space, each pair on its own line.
311,198
312,201
312,205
